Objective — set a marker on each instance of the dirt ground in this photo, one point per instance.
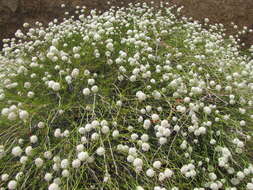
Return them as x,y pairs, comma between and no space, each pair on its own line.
13,13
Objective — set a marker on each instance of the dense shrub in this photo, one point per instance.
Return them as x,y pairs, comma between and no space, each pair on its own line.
134,98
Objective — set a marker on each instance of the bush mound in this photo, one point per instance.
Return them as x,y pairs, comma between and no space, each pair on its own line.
133,98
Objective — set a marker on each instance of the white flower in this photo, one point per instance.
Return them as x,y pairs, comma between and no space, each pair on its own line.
84,140
207,110
39,162
100,151
27,85
212,176
141,96
12,185
48,155
56,167
57,133
79,147
5,111
105,129
94,89
132,151
214,186
137,162
56,86
41,124
157,164
65,173
34,139
64,163
12,116
144,137
75,73
146,124
119,103
240,175
181,109
16,151
86,91
28,151
130,158
83,156
19,176
162,140
145,147
212,141
168,173
53,186
48,177
30,94
150,172
242,123
109,46
115,133
23,159
94,136
68,79
76,163
4,177
91,81
139,188
249,186
155,117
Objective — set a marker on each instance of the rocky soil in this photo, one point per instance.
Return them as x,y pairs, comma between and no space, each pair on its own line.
13,13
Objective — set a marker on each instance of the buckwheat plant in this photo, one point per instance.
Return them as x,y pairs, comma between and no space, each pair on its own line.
135,98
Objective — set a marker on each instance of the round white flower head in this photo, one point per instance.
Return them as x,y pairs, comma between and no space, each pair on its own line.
100,151
83,156
48,177
155,117
23,159
207,110
86,91
64,163
41,124
141,96
79,147
48,154
115,133
33,139
94,89
12,185
150,172
105,129
53,186
168,173
139,188
91,81
4,177
17,151
76,163
65,173
249,186
23,115
12,116
157,164
28,151
145,147
39,162
56,86
137,162
57,180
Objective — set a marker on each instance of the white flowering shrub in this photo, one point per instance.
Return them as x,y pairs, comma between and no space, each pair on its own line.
134,98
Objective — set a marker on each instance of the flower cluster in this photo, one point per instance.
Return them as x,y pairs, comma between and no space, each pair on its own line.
133,98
